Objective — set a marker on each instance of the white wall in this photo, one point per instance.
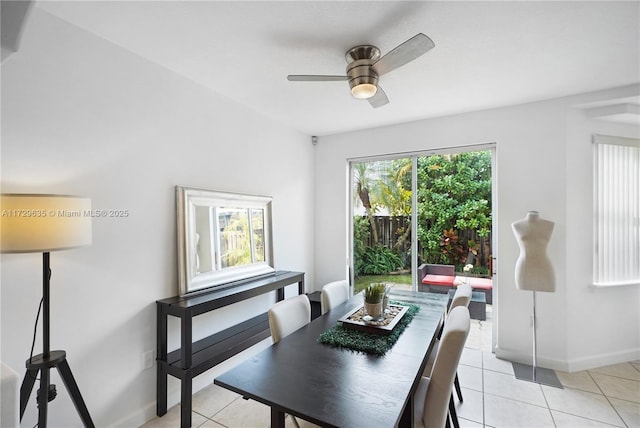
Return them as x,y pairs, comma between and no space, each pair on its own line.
536,160
82,116
603,323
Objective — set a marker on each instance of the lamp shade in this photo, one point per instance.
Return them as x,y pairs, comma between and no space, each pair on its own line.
43,223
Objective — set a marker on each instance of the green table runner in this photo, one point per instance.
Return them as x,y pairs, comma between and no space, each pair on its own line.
370,343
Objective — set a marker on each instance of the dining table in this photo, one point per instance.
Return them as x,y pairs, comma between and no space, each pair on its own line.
334,386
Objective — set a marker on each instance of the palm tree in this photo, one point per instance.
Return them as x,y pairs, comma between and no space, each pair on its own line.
364,184
396,198
380,184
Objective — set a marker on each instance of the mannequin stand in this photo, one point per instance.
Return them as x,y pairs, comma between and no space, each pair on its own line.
534,373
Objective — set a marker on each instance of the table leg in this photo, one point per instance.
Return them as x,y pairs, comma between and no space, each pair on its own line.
185,402
277,418
406,421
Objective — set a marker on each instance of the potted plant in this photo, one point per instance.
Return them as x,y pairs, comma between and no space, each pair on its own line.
373,296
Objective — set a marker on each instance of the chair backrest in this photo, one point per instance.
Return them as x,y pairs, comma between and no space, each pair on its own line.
333,294
454,336
462,296
288,315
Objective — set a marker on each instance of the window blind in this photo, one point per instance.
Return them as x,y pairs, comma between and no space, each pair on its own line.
617,210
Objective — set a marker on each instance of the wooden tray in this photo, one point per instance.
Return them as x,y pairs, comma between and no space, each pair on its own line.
354,320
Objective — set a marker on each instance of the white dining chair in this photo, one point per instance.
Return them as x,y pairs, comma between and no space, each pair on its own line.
462,297
288,315
433,395
333,294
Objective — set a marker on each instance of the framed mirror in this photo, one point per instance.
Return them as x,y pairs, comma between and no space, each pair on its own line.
222,238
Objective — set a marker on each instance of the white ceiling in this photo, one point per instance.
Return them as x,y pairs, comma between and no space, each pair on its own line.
487,54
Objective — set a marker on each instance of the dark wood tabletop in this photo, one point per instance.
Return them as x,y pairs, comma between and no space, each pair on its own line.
338,387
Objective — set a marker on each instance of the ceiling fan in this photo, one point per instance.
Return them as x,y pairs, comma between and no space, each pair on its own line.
365,66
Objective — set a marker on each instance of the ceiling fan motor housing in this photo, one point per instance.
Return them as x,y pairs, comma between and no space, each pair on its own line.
363,81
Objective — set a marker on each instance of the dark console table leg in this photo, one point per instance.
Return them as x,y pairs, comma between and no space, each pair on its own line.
185,402
161,391
161,354
187,378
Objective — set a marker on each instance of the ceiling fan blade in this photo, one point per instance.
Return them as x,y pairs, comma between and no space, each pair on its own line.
379,99
314,78
406,52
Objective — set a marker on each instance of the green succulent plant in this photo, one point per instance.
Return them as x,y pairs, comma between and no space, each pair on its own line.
374,293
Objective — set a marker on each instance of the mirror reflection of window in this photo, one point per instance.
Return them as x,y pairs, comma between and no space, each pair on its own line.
222,237
204,258
257,227
235,244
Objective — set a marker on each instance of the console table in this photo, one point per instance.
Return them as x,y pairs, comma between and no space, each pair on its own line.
192,359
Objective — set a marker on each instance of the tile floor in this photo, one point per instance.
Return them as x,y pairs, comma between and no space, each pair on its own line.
493,397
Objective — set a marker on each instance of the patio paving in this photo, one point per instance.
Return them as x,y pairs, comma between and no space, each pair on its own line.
480,333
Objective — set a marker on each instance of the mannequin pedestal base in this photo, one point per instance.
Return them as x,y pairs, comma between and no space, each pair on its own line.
540,375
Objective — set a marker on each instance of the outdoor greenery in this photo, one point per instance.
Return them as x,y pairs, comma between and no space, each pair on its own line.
377,261
454,206
363,281
454,212
236,242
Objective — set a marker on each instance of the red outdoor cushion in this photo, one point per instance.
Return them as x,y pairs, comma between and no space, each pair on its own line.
481,283
431,279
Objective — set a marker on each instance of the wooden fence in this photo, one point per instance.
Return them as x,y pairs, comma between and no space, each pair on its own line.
390,228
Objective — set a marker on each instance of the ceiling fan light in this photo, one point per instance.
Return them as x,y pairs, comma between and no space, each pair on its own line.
364,90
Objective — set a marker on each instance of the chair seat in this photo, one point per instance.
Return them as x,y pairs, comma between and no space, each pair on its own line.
477,283
431,279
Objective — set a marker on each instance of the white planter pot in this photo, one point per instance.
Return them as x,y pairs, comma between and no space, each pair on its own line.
374,310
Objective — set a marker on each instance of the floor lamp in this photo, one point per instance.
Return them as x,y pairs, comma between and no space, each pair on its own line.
34,223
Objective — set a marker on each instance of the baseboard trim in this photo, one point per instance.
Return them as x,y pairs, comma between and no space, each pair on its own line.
572,365
519,357
601,360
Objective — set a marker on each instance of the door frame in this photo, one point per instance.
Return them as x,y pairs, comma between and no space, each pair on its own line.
414,155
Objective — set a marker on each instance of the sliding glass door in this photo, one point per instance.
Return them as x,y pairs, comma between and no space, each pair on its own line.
382,221
421,208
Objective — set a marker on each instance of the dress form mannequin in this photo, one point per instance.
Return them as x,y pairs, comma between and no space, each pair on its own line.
533,268
534,272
